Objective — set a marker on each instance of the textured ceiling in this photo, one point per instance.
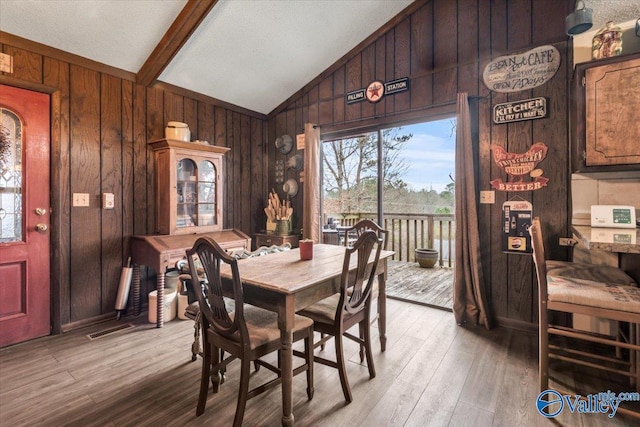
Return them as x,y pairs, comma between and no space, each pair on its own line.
261,52
613,10
251,53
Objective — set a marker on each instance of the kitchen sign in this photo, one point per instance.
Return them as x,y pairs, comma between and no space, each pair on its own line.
376,90
527,109
522,71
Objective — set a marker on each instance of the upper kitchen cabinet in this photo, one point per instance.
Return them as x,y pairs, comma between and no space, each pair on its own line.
606,115
188,185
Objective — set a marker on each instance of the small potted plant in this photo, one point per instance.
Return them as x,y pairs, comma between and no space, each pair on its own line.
427,257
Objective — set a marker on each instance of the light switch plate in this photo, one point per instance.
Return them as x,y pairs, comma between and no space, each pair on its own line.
80,199
487,197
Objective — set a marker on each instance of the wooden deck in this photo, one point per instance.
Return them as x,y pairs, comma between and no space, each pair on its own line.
432,287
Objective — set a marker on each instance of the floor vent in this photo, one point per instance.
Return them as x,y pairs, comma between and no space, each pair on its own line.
109,331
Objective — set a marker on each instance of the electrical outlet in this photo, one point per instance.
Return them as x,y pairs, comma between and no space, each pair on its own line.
108,201
567,241
80,199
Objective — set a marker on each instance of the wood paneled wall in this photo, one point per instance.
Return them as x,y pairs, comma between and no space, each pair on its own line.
443,46
101,123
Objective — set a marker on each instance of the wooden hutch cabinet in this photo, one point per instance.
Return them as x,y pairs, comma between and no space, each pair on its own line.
606,115
189,185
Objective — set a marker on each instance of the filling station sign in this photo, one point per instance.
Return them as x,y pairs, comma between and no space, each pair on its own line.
377,90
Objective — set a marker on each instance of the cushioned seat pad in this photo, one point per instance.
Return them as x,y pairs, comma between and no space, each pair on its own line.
588,273
323,311
601,295
262,325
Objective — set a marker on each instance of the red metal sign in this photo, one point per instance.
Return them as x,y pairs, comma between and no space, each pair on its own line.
517,166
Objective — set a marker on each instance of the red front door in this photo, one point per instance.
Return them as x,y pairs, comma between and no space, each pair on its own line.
24,215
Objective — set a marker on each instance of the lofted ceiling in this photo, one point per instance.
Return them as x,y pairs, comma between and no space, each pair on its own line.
254,54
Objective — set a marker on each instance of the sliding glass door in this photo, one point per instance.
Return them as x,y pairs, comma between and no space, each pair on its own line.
400,177
350,183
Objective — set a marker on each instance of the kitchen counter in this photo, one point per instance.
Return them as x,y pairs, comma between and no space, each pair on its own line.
620,240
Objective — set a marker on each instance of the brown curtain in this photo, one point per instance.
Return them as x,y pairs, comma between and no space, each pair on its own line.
311,194
469,301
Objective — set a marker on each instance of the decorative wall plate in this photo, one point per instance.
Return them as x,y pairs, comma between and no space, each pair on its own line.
290,187
284,143
295,162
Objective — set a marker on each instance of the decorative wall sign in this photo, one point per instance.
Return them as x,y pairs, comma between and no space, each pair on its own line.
396,86
516,220
527,109
517,165
522,71
356,96
300,141
607,42
377,90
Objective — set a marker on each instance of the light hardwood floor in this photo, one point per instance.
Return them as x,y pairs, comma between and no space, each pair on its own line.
434,373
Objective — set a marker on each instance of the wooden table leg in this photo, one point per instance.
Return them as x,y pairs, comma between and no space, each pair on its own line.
382,306
160,302
286,320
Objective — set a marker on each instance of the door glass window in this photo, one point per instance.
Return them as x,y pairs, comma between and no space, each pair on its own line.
10,177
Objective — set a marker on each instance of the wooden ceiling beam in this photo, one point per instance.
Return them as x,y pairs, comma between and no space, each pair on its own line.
176,36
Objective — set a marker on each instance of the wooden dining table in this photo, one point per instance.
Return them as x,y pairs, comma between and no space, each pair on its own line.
283,283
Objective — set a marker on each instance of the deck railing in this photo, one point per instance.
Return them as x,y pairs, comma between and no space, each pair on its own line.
410,231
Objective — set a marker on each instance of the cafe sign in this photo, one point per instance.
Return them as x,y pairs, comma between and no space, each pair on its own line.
522,71
527,109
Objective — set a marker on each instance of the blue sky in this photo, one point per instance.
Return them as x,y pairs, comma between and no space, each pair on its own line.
430,155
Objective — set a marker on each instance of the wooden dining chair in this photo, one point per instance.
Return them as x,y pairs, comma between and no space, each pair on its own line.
357,229
364,225
335,315
588,291
248,333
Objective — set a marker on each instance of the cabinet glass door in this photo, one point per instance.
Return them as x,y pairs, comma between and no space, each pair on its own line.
186,214
207,193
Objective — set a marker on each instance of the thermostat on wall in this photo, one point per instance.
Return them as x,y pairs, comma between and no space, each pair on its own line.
613,216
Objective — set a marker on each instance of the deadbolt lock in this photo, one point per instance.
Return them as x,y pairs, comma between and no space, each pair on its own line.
41,211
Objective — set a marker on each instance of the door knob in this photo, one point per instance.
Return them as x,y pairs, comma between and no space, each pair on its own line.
40,211
41,227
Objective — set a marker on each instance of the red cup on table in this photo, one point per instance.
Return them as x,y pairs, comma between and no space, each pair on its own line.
306,249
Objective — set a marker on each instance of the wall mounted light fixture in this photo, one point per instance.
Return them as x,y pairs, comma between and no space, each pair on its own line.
579,20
